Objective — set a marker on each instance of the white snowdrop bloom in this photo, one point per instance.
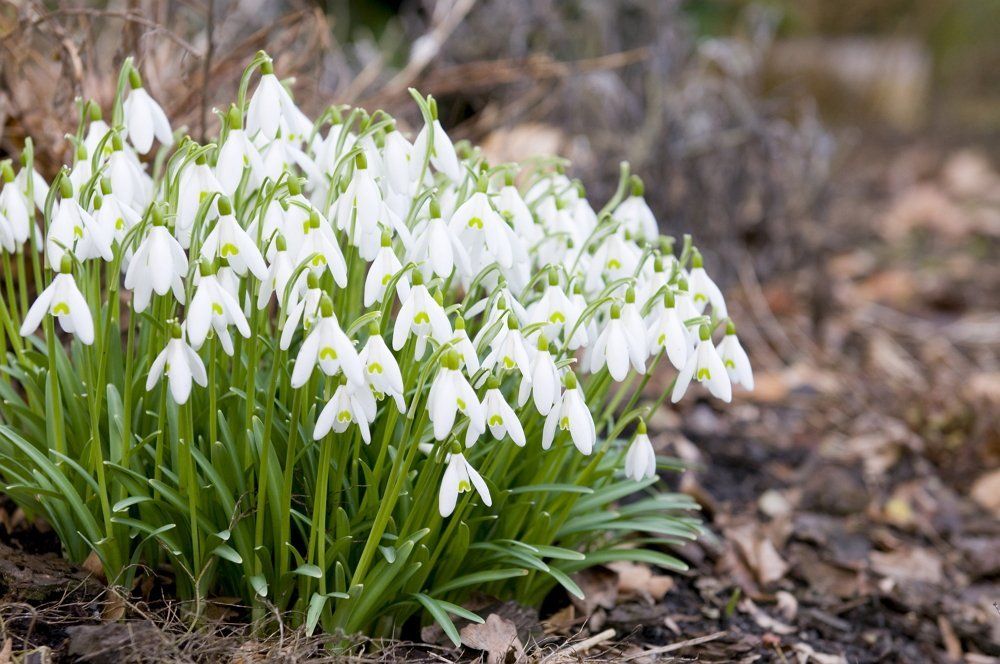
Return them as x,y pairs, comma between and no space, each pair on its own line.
158,265
443,156
181,364
270,104
636,217
460,477
482,231
14,208
706,367
383,268
500,300
508,350
63,300
555,309
357,210
281,154
74,229
735,358
465,348
6,236
686,310
640,460
617,345
501,419
350,404
326,345
320,243
398,153
439,249
615,258
265,229
96,131
703,289
115,214
195,184
422,316
279,272
236,154
634,325
450,394
584,216
39,187
129,181
571,414
304,310
213,307
510,204
381,369
544,383
228,240
667,333
82,170
144,119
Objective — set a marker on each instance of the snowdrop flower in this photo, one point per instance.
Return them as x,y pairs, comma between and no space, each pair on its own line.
358,208
320,244
667,333
706,367
228,240
96,130
459,477
640,460
635,327
442,247
617,345
279,272
571,414
554,308
704,290
304,310
144,118
382,370
616,257
350,404
422,316
544,380
236,154
383,268
500,417
196,183
39,188
508,350
14,215
158,265
510,204
463,345
442,151
327,346
74,229
213,307
398,156
113,213
128,180
270,104
635,214
450,394
481,230
63,300
181,364
735,358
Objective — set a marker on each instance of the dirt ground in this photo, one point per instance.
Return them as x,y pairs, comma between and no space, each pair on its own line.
853,500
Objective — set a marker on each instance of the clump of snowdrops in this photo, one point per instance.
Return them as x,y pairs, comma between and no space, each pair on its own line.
337,373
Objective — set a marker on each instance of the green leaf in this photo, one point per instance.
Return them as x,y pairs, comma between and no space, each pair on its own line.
311,571
228,553
479,578
566,582
259,585
440,617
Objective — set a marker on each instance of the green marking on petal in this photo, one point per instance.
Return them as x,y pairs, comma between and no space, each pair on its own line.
344,416
421,317
564,423
614,264
78,232
730,364
229,249
318,260
386,279
704,374
508,362
557,317
661,340
374,368
119,224
699,297
327,353
461,404
496,421
476,222
464,486
61,309
216,308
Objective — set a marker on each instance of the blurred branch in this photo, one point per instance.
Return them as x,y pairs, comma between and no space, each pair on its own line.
128,17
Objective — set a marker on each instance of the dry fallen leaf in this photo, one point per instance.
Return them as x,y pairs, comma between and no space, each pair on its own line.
6,651
763,619
986,491
600,589
758,552
911,564
496,637
636,579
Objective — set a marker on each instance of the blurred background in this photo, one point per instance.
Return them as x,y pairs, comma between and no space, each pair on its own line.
837,164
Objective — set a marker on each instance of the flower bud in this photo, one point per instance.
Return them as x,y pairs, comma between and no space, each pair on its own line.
435,208
616,311
105,185
294,187
93,111
225,206
7,171
134,79
360,161
570,380
704,333
312,281
66,264
65,188
325,306
175,330
640,429
636,186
